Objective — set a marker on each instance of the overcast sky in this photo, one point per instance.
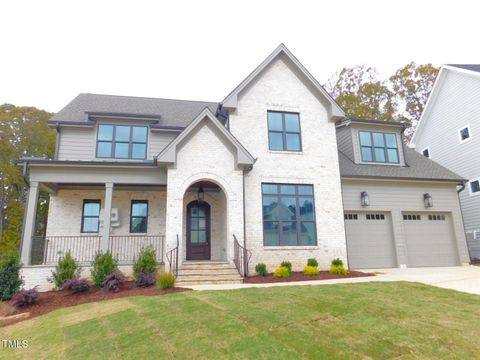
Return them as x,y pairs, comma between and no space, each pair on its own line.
200,50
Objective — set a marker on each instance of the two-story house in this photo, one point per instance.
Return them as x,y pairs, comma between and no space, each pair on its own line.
448,133
219,187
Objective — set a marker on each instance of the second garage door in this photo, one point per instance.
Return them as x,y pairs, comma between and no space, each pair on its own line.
430,240
370,240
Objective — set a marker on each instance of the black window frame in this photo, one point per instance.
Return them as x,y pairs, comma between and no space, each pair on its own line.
90,201
130,142
298,219
372,147
133,202
284,131
460,133
472,191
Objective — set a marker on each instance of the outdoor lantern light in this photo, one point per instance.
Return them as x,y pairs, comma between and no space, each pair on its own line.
200,195
427,200
364,198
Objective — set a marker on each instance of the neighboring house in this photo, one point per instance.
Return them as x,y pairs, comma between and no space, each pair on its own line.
255,178
449,133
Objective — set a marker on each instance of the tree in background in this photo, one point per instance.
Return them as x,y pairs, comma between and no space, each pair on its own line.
24,132
401,97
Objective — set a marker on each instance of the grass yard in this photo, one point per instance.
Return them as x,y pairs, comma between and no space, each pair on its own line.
377,320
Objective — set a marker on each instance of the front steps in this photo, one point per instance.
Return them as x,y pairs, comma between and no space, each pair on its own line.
207,272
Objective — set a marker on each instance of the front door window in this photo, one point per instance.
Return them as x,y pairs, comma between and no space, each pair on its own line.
198,231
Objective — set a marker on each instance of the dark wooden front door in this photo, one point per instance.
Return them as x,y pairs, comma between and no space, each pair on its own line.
198,231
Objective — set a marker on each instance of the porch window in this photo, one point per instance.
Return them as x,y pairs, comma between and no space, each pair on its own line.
122,142
284,131
288,215
138,216
90,216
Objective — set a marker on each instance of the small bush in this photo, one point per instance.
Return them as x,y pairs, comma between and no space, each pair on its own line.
166,280
102,265
310,270
339,270
145,279
337,262
66,269
10,279
25,297
261,269
76,285
282,272
286,264
146,262
312,262
114,281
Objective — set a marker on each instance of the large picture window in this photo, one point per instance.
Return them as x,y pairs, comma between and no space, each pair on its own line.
379,147
139,216
122,142
90,216
288,215
284,131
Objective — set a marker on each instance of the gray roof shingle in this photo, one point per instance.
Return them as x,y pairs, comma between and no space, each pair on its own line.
171,112
471,67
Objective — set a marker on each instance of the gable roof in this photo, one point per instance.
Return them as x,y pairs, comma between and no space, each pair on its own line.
335,112
166,111
169,153
466,69
418,167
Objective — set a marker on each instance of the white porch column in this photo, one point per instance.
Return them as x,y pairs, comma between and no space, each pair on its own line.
107,216
29,224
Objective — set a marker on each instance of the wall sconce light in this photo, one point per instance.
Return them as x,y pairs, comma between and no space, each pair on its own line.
200,195
364,199
427,200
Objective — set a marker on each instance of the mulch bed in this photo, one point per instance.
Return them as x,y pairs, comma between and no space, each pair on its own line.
300,276
53,300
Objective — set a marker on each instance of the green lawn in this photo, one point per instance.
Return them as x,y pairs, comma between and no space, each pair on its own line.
377,320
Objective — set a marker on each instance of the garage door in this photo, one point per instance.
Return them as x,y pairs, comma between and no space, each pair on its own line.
370,240
430,240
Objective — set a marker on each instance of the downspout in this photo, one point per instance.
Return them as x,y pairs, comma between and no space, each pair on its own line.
57,142
462,187
245,253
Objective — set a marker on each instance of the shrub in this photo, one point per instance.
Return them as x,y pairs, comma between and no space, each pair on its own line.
10,279
114,281
166,280
145,279
312,262
338,269
286,264
66,269
103,265
337,262
310,270
282,272
26,297
261,269
146,262
76,285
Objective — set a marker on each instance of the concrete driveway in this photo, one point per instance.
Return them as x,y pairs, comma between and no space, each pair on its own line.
461,278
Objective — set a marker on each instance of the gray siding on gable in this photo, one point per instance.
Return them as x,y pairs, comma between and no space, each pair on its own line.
344,141
457,105
158,141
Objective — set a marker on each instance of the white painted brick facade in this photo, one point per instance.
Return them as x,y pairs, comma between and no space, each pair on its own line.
280,88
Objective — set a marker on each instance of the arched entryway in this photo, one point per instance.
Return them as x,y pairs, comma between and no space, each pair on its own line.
205,222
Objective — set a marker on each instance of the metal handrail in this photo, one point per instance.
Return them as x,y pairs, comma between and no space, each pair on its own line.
172,258
241,257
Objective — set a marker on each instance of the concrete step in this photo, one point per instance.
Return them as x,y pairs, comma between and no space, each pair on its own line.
208,276
216,280
221,271
206,266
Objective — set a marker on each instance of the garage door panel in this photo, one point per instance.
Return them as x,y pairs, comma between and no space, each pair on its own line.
370,240
430,241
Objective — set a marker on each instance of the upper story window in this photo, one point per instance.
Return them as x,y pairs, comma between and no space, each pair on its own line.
284,131
379,147
464,134
426,152
122,142
474,187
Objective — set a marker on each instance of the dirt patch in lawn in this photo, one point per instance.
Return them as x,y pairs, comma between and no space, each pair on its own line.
300,276
53,300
